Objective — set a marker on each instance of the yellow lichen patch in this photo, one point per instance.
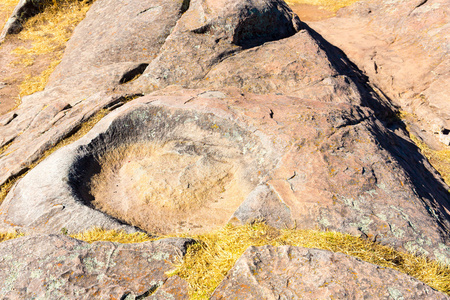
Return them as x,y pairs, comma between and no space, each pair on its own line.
6,9
48,33
32,84
439,159
98,234
330,5
208,261
4,236
4,148
5,188
84,128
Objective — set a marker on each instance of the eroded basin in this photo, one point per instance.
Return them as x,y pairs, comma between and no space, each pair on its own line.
170,171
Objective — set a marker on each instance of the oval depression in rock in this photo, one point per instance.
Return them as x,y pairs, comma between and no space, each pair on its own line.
168,171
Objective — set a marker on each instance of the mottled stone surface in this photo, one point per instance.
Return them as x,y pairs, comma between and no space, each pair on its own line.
116,32
212,31
215,164
115,42
300,273
59,267
111,46
324,164
403,46
262,119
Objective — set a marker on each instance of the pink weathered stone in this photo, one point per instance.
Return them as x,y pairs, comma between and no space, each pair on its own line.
300,273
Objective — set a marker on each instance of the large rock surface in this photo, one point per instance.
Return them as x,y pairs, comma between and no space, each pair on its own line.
59,267
403,46
300,273
245,98
176,51
317,164
339,166
133,33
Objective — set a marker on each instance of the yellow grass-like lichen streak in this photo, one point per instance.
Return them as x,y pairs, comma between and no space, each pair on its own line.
4,236
98,234
208,261
439,159
48,33
330,5
6,9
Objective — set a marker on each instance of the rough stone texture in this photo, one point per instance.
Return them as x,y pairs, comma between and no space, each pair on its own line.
263,204
116,32
74,90
403,46
72,96
330,165
173,288
211,31
339,167
36,126
312,141
216,163
299,273
59,267
47,203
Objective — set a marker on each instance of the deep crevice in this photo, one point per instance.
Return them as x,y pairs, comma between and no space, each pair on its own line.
185,6
203,29
6,145
11,119
121,101
221,57
146,10
151,291
417,6
133,74
147,293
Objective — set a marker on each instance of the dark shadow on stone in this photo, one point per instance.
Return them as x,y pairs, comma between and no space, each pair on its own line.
383,108
434,193
28,10
82,170
79,178
185,6
258,27
133,74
